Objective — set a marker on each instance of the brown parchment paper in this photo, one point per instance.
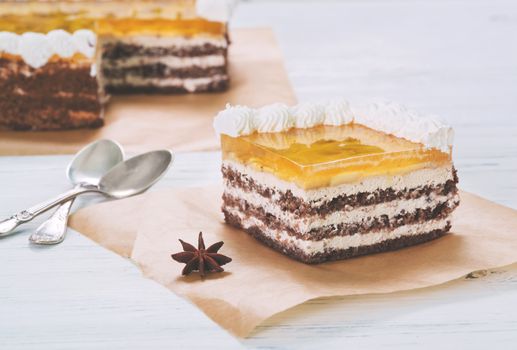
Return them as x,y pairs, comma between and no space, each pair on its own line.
260,282
180,122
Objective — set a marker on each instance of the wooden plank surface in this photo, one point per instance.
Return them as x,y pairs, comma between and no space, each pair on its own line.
454,58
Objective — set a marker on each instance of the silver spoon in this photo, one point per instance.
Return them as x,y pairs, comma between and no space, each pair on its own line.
126,179
86,169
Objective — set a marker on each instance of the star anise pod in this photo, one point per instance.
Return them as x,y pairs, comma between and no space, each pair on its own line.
201,259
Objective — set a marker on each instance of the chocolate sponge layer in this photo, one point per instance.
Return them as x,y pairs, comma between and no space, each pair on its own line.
59,95
330,255
289,202
375,224
314,231
129,68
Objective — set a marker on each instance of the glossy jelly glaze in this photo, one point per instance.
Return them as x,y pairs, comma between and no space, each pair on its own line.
114,17
330,155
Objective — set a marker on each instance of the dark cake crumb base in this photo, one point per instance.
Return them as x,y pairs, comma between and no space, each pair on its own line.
215,86
162,71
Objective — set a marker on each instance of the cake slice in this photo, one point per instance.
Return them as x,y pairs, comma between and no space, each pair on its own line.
47,74
325,181
166,47
58,58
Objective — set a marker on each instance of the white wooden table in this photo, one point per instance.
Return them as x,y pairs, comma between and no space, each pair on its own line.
455,58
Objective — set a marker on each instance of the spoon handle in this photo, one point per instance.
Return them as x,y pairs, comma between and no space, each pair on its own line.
53,230
7,226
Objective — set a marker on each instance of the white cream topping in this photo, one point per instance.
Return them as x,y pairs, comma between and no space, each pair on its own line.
9,43
215,10
62,42
413,179
272,118
388,117
338,112
36,48
93,70
236,120
85,41
340,242
396,119
307,115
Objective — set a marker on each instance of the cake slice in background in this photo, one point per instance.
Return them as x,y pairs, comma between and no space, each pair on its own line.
59,58
166,47
47,74
322,182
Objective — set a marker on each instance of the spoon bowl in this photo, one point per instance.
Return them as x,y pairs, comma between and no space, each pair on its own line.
136,175
94,161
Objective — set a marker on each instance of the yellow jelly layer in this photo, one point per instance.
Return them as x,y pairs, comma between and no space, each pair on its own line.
107,17
330,155
180,27
44,23
77,58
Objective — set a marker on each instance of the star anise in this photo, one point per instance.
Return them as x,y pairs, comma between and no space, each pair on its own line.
201,259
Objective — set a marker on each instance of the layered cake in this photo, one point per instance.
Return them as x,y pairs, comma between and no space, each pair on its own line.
47,75
141,55
327,181
58,59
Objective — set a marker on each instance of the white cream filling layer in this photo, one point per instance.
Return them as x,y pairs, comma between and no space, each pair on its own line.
169,61
354,215
150,41
340,242
414,179
190,84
